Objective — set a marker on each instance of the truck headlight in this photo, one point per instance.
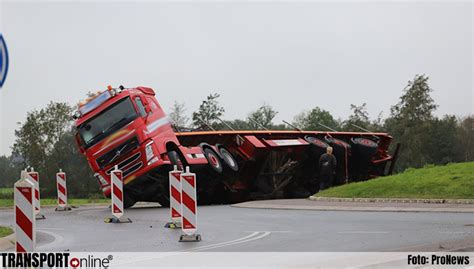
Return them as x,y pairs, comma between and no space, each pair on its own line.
149,151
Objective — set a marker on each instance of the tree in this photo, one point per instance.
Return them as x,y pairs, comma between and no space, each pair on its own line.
41,131
46,142
178,115
410,123
209,112
466,138
359,117
311,120
443,144
238,124
416,103
262,117
9,172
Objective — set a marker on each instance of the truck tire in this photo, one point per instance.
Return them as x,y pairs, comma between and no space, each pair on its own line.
175,159
228,159
364,146
164,200
317,146
213,159
128,200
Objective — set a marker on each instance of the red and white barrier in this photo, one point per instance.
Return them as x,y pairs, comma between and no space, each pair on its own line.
189,207
62,191
24,215
34,178
116,179
175,198
117,193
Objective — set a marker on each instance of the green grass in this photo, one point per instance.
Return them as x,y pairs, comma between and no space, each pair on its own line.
51,201
6,193
4,231
6,199
452,181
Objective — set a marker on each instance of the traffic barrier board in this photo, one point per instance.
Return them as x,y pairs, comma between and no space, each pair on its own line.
25,220
188,207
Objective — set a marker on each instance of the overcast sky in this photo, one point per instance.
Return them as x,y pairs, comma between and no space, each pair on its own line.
294,56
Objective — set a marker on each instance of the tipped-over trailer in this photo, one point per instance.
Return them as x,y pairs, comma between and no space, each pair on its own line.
128,128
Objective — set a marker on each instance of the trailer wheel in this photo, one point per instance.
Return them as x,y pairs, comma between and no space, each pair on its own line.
365,146
213,159
228,159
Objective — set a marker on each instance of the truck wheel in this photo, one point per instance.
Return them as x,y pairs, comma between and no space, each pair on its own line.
213,159
175,159
317,147
365,146
228,159
128,200
164,201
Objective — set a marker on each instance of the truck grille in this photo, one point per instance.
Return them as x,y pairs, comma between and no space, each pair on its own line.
115,154
123,164
132,169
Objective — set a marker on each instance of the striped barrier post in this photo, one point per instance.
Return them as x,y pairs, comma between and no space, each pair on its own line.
24,214
116,179
189,207
62,191
34,178
175,198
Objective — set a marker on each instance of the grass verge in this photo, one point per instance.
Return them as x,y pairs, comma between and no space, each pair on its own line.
5,231
50,201
451,181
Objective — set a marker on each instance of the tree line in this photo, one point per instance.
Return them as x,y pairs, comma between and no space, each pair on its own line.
46,140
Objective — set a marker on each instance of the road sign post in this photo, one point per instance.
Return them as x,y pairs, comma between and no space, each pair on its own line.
175,198
34,178
189,207
62,191
116,179
25,220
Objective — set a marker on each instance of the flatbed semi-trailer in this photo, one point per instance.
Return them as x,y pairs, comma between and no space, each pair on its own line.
128,128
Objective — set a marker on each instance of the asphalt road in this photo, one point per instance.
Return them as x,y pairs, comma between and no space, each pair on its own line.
226,228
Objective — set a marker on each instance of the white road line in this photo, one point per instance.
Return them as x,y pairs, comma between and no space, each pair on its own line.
271,231
363,232
57,240
223,243
236,243
448,232
248,238
52,229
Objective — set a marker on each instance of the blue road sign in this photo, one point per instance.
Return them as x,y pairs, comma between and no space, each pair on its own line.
3,60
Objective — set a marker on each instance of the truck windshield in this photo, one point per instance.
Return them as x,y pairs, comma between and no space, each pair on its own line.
107,122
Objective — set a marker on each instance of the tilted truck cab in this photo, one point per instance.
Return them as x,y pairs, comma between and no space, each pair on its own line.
128,128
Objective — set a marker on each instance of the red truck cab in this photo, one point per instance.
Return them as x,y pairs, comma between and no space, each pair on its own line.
125,128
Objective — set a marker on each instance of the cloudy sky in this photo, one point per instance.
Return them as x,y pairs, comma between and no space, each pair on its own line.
293,56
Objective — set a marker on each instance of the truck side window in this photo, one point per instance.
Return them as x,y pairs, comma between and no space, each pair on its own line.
141,107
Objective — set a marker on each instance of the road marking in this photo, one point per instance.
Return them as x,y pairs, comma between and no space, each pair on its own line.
448,232
251,237
254,236
271,231
363,232
57,240
52,229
